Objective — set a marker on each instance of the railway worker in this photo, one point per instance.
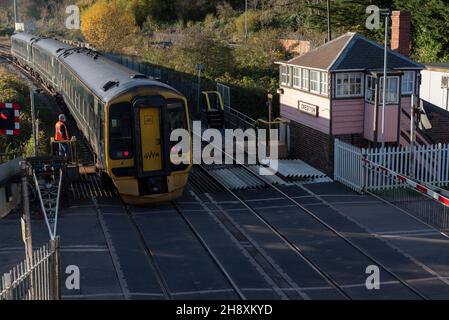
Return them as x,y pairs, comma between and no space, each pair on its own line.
62,134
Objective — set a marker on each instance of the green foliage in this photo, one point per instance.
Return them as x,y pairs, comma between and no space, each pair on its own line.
196,46
6,31
347,15
253,22
430,21
259,53
14,90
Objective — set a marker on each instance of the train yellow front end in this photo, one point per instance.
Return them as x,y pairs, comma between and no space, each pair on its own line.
138,128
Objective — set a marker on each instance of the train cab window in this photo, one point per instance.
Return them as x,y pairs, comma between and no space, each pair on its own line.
176,115
177,120
120,131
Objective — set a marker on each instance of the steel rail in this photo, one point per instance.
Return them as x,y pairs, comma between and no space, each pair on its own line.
289,243
318,219
149,255
210,252
279,289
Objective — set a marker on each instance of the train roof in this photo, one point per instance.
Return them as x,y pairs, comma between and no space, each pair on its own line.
24,36
104,77
53,46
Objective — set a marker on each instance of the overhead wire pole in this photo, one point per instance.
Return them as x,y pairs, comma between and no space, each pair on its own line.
16,12
33,119
246,19
329,31
386,13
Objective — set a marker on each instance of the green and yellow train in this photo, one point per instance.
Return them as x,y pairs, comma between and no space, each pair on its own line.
126,117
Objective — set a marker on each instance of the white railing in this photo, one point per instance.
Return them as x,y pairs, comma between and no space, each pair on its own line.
426,164
39,280
225,93
348,167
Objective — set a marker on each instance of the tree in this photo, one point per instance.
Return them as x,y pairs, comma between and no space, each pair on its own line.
430,21
260,52
108,26
201,46
14,90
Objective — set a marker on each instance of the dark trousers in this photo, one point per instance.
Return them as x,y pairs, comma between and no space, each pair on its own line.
64,150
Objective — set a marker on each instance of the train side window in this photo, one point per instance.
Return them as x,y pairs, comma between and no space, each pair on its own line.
120,131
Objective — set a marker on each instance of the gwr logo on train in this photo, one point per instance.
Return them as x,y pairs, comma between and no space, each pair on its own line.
151,155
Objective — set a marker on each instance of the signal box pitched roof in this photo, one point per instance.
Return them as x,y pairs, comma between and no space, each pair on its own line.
352,51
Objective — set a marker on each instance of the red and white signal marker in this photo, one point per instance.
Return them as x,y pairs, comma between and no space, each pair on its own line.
9,119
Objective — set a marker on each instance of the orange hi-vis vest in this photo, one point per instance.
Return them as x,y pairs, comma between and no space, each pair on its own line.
61,132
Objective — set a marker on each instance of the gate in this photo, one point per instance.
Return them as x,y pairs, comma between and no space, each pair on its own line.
426,164
348,165
37,280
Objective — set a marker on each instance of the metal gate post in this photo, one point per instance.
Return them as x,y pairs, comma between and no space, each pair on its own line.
8,285
55,247
363,178
26,225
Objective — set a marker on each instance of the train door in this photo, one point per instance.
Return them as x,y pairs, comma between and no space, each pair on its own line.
148,115
150,137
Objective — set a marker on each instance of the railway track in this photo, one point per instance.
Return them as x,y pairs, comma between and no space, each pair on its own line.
303,210
217,262
149,255
281,283
150,251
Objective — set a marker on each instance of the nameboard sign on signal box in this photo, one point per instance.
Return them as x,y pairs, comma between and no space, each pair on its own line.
307,108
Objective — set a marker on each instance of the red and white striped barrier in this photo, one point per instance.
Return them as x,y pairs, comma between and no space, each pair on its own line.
16,130
413,184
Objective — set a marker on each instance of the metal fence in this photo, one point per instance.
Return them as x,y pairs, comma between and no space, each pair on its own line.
235,119
186,84
427,164
225,93
419,205
38,279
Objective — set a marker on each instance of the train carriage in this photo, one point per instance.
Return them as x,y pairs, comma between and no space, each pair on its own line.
126,117
21,47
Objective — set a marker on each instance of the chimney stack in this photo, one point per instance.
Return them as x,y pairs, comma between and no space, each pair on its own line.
400,32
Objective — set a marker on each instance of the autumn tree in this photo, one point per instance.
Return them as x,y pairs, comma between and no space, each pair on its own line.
108,26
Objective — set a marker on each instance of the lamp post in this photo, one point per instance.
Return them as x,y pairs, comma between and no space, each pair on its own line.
246,19
199,67
329,31
16,12
33,120
386,13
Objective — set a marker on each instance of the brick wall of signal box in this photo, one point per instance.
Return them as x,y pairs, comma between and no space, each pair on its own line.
317,148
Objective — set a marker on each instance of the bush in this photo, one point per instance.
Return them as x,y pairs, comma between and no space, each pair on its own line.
14,90
6,31
258,54
253,22
201,46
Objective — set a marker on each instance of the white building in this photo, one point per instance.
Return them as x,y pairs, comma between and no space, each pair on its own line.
435,85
